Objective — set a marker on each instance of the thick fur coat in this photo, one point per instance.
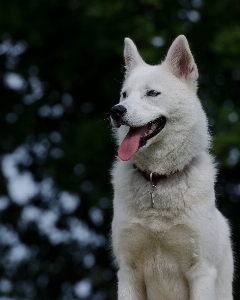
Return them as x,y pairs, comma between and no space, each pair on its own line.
177,248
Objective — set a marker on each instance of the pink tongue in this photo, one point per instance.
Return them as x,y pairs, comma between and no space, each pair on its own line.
130,144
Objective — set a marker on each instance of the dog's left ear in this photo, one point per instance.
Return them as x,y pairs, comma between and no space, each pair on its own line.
181,62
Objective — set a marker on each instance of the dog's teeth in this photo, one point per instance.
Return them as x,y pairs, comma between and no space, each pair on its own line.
154,126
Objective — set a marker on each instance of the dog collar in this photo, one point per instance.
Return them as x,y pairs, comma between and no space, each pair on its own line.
153,177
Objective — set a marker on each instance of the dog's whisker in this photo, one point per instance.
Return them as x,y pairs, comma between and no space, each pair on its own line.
117,81
104,120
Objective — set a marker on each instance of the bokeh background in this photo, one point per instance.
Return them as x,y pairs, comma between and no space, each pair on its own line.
61,70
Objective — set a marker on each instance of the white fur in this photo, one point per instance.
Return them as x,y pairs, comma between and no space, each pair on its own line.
179,249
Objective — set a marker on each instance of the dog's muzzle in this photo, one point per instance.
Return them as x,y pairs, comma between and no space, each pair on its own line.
117,113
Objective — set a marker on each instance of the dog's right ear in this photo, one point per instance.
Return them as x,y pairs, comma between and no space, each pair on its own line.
131,56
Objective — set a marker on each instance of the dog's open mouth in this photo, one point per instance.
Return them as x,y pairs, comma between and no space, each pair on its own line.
138,136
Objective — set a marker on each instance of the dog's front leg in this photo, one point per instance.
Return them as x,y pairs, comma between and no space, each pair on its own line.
203,284
130,285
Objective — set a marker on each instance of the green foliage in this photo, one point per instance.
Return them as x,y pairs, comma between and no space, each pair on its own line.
226,44
61,70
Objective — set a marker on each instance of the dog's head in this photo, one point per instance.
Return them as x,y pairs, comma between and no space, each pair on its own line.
159,115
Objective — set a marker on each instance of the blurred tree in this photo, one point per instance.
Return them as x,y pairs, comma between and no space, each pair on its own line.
60,72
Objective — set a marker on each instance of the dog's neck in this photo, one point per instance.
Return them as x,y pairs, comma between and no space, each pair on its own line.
150,176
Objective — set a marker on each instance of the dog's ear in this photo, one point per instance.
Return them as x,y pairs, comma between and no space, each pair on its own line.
131,56
181,62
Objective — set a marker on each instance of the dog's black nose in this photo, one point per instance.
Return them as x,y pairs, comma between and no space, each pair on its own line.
117,111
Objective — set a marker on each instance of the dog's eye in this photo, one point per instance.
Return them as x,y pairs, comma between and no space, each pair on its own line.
124,94
152,93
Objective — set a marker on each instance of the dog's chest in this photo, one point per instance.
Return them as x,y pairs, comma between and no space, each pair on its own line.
171,250
158,239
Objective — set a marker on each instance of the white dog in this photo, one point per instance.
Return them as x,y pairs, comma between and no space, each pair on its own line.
169,239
